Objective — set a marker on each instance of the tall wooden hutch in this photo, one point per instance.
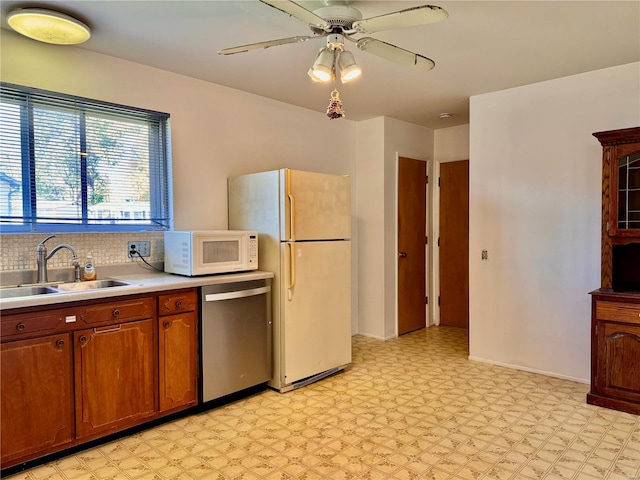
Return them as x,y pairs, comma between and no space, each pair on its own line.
615,306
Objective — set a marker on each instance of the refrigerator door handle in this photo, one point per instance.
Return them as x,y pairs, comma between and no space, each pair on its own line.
291,217
292,232
292,270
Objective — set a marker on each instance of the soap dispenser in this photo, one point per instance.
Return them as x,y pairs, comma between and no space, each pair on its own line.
89,269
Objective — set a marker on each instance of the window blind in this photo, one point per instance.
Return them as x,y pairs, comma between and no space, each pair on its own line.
76,164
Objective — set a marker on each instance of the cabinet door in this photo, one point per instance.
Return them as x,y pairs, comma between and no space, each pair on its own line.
115,374
37,395
178,361
625,191
619,360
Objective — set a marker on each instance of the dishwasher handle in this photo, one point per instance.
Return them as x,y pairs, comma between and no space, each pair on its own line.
216,297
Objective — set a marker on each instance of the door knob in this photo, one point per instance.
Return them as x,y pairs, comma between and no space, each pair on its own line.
402,254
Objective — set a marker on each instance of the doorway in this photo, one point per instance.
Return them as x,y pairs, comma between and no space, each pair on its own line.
454,244
412,219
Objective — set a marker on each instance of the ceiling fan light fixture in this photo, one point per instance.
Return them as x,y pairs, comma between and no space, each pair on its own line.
322,69
349,69
48,26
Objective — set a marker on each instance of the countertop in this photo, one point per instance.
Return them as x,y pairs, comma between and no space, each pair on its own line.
138,283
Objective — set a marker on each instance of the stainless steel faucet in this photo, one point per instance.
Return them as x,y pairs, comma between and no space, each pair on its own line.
42,257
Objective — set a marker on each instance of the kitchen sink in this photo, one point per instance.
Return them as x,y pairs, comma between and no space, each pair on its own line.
92,285
30,290
15,292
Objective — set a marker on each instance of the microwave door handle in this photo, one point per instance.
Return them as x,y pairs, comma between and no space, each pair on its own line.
292,270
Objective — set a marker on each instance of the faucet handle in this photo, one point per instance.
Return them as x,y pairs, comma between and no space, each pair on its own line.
41,244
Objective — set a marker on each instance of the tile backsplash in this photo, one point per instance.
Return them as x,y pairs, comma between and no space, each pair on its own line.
18,251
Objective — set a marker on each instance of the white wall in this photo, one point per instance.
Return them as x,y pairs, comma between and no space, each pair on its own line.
370,215
380,142
216,131
535,193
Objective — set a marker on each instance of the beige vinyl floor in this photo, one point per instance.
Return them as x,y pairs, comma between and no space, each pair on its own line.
409,408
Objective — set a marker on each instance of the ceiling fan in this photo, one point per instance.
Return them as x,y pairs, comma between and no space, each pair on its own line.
339,22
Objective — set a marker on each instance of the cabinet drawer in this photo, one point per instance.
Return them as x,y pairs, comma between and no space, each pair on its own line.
121,311
617,311
38,322
177,303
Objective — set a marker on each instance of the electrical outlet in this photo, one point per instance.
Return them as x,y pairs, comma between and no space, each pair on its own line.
144,248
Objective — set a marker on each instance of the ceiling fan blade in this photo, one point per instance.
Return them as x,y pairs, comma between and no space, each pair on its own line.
270,43
404,18
395,54
301,13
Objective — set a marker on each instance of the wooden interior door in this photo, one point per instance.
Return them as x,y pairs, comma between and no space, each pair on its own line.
412,216
454,244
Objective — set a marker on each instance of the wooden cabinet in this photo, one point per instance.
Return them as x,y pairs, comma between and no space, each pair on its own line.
115,366
615,351
37,395
115,371
615,312
178,350
84,370
620,260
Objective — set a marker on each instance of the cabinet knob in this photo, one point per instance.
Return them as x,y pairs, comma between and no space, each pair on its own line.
166,324
82,339
178,304
21,327
116,313
60,343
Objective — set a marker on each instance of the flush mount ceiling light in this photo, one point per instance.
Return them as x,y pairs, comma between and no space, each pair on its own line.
48,26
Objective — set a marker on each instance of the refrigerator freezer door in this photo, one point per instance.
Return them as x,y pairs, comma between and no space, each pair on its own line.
316,310
318,203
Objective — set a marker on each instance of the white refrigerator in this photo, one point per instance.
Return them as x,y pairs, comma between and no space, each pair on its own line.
303,220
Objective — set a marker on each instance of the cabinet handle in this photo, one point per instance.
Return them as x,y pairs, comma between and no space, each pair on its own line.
114,328
21,327
166,324
178,304
60,343
116,313
82,339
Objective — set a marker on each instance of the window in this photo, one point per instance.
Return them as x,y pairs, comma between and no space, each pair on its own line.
74,164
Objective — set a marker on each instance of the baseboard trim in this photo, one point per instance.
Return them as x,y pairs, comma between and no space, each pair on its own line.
530,370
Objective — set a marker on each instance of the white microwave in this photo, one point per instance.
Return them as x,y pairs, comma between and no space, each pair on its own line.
207,252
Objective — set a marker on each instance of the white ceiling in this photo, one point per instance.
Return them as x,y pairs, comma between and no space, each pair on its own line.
483,46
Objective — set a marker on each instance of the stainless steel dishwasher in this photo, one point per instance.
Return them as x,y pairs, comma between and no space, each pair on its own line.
236,337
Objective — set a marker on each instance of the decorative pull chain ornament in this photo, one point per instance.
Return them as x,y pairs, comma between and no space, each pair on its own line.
335,110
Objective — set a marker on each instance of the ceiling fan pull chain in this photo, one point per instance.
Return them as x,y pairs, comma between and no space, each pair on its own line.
335,110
